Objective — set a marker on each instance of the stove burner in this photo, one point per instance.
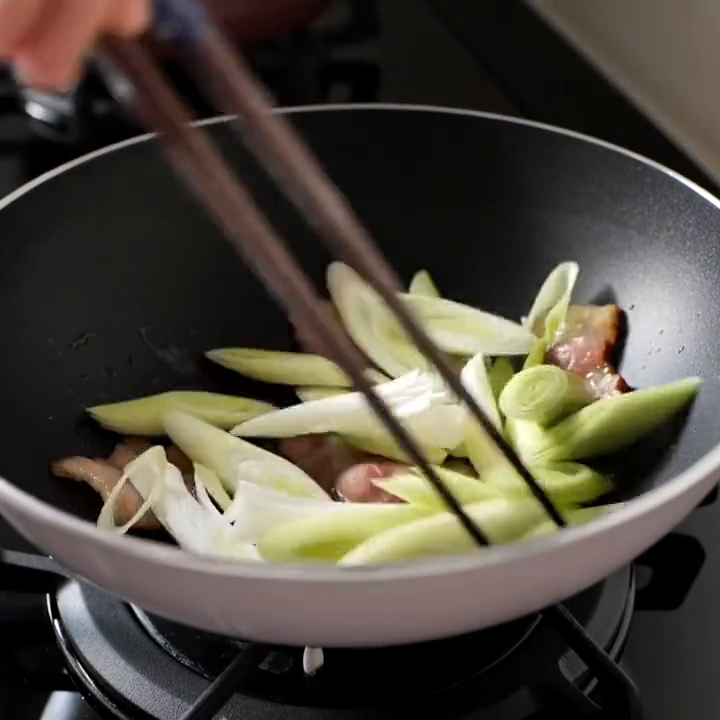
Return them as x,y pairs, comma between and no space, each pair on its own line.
135,665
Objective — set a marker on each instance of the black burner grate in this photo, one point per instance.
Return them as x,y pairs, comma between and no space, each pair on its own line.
133,665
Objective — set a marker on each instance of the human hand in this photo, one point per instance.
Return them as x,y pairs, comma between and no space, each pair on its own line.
47,40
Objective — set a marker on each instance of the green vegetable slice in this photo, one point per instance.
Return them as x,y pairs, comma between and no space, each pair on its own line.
256,510
143,416
388,448
474,377
285,368
501,520
211,482
226,456
196,527
417,490
577,516
551,303
499,374
566,483
603,427
550,308
309,394
463,330
422,284
544,394
370,323
328,537
417,399
480,449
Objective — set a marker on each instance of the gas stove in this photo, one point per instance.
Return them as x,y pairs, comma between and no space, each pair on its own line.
642,644
71,652
129,664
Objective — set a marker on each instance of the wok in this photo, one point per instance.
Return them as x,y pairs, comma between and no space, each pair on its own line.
113,282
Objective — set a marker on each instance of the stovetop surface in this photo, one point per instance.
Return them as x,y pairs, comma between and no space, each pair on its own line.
672,651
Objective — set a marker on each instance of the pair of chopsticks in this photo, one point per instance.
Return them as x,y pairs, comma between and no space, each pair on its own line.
140,85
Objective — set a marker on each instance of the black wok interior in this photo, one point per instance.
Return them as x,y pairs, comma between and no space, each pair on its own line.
113,281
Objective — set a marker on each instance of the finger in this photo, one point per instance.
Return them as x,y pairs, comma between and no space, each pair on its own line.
129,17
52,57
17,18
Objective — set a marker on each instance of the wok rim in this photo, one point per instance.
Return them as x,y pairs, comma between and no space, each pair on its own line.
704,468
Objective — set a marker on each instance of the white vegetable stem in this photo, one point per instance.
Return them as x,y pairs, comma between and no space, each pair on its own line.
605,426
544,394
552,301
281,367
370,324
501,521
143,416
225,455
417,399
328,537
463,330
474,377
478,446
564,482
416,490
195,527
257,510
309,394
422,284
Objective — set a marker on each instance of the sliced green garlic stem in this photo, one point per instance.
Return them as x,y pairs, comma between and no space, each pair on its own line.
544,394
285,368
143,416
422,284
501,521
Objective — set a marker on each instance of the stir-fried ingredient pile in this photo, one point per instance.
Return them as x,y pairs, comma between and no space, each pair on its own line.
338,488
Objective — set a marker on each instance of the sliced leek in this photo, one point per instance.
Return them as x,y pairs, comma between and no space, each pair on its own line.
422,284
463,330
499,374
371,324
211,482
417,490
387,447
225,455
256,510
544,394
328,537
576,516
308,394
566,483
195,527
551,303
479,448
604,427
285,368
417,399
143,416
501,520
476,381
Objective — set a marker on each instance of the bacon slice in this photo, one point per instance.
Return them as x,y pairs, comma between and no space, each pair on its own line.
586,344
102,477
126,451
340,469
356,483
